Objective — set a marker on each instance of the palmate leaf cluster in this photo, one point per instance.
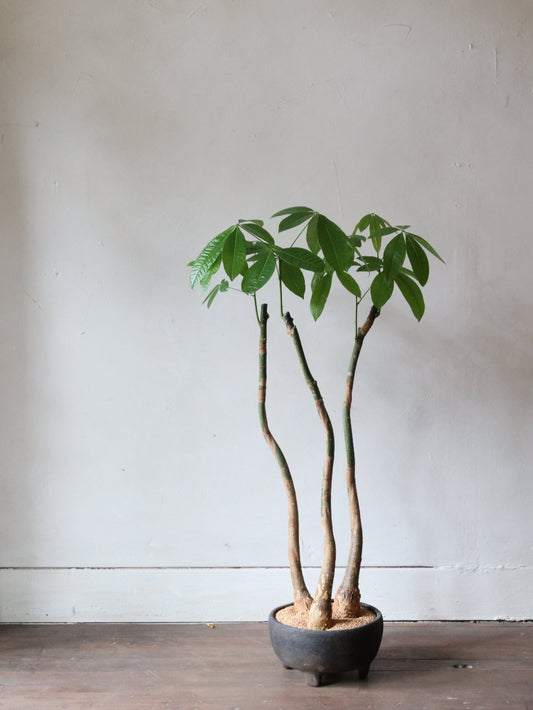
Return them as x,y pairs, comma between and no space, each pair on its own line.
390,257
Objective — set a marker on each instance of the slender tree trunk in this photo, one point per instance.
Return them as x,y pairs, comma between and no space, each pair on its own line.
302,597
347,601
320,611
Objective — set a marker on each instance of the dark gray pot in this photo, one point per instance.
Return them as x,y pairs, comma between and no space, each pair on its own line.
323,653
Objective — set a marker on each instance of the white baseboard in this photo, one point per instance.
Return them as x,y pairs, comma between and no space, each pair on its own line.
40,595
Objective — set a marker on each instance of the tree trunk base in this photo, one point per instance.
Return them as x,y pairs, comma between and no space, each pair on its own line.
347,605
320,615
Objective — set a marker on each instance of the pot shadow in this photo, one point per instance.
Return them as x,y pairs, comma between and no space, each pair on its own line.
412,659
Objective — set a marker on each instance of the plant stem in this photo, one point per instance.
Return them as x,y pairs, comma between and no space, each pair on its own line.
256,311
364,294
348,598
320,611
302,597
299,234
278,267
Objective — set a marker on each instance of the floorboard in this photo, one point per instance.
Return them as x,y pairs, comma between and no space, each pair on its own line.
477,666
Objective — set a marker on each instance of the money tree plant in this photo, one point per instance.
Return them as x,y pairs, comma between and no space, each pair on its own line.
370,263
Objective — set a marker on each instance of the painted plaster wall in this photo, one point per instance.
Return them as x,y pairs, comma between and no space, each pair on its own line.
135,484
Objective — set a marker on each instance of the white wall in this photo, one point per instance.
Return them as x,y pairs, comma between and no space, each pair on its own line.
135,484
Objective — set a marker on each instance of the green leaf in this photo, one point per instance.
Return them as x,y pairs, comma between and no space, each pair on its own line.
349,283
254,247
410,273
427,246
292,210
370,263
384,231
234,253
362,224
222,287
320,294
255,250
356,240
334,244
207,257
312,236
293,278
211,296
302,258
381,290
257,230
418,259
375,225
253,221
393,256
412,294
259,273
293,220
205,280
316,278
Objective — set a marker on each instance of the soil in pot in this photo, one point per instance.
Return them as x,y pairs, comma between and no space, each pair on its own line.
290,617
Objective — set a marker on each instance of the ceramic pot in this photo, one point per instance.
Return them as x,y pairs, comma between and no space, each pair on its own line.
323,653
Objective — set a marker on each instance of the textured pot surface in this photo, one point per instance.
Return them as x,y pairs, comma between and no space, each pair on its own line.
325,652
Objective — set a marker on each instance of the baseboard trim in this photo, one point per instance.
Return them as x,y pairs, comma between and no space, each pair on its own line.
63,595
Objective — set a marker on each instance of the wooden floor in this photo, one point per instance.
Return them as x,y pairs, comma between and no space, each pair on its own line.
231,667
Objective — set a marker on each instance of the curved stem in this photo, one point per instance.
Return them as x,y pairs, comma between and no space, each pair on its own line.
256,311
347,599
278,267
302,597
320,611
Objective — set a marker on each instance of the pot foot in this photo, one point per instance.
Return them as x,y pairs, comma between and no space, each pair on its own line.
363,672
315,680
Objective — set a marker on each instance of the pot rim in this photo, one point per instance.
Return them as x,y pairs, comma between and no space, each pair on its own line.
378,620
